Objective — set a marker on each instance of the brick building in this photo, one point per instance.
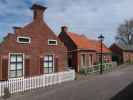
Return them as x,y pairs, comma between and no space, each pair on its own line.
31,50
82,51
122,52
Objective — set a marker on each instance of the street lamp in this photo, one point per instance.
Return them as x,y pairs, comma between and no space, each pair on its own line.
130,32
101,38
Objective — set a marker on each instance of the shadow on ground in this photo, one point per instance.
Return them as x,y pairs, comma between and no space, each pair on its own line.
125,94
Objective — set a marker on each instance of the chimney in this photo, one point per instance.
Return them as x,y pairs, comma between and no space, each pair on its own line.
16,29
38,12
64,29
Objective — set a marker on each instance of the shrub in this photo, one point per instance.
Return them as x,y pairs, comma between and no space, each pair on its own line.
129,62
83,71
100,62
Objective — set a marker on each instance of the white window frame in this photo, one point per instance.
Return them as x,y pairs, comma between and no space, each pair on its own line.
9,65
53,63
52,40
25,37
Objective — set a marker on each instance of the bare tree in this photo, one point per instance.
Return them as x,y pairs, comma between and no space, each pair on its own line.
125,32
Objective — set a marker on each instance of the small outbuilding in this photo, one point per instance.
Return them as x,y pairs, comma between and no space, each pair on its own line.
122,53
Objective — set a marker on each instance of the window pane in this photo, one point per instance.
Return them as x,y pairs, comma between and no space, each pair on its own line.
19,73
52,42
13,66
22,39
50,58
12,74
19,58
46,58
45,70
50,64
45,64
19,65
13,58
50,70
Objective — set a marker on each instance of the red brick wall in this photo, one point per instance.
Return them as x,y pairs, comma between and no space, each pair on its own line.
117,51
128,56
105,57
88,61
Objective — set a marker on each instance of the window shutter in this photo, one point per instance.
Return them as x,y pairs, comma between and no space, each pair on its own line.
56,64
4,69
41,66
27,67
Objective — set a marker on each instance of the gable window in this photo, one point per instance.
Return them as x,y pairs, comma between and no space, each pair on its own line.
23,39
48,64
52,42
16,65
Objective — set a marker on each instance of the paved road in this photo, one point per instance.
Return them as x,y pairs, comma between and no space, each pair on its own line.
102,87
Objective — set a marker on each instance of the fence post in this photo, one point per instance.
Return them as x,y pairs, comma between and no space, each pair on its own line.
73,74
104,66
111,66
44,81
99,68
0,90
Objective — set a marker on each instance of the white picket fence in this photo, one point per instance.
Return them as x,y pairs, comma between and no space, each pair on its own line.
24,84
106,67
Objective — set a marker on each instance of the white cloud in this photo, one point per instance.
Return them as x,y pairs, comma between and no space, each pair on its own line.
89,17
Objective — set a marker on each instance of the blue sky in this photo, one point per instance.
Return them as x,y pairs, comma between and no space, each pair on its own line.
89,17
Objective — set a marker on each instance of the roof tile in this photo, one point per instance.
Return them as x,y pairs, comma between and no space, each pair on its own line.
82,42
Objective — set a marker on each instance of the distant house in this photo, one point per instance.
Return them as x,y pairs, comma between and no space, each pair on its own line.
31,50
122,52
82,52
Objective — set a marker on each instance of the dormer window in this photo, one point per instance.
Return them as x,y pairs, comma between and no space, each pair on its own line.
52,42
23,39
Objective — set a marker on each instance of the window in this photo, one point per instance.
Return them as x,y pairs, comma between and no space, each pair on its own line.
16,65
90,59
23,39
83,60
48,64
52,42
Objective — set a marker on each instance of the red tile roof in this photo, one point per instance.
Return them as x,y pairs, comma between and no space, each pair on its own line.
82,42
97,46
